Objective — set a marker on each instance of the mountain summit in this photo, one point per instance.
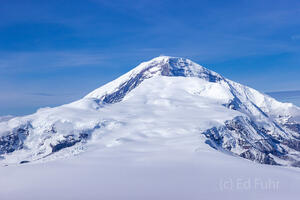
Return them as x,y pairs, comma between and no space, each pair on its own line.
166,103
159,66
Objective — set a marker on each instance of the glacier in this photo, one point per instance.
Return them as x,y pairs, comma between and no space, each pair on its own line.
164,99
168,129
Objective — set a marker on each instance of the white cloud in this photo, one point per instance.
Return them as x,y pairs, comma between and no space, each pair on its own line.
20,61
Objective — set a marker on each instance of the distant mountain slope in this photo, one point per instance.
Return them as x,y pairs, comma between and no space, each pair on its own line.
5,118
287,96
166,102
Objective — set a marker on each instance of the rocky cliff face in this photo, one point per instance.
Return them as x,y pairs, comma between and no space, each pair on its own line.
236,136
14,139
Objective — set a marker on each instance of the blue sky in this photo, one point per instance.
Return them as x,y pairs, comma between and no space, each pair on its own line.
54,52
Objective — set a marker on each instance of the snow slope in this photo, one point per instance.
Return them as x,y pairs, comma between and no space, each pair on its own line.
166,102
119,173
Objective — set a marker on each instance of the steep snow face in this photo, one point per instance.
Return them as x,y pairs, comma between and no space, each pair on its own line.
167,102
116,90
160,66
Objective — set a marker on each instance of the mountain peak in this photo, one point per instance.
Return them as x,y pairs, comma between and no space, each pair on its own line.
159,66
171,66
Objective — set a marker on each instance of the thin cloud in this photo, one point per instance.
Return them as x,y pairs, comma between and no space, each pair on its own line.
42,94
45,94
26,61
295,37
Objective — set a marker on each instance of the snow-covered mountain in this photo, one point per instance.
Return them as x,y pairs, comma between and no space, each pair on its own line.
165,103
5,118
